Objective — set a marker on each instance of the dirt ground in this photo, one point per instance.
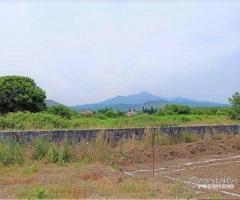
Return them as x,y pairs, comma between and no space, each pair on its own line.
209,167
206,169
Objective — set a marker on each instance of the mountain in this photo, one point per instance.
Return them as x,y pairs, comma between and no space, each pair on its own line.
143,99
194,103
50,102
140,98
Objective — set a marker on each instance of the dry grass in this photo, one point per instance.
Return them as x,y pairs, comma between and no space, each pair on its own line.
92,171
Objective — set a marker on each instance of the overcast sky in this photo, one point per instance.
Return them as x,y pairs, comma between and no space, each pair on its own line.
86,51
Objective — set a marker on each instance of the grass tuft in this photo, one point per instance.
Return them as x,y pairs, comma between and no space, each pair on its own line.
10,153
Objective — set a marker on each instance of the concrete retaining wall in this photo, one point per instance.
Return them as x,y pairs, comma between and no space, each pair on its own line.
114,134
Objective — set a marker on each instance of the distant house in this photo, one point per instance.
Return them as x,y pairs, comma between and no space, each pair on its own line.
87,113
130,114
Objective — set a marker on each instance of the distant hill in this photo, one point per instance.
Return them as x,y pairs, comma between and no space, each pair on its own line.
143,99
50,102
194,103
140,98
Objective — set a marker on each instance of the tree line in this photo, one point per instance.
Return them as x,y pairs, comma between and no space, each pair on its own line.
18,93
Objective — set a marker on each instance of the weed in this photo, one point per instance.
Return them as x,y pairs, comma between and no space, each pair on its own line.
214,197
40,193
162,139
29,170
47,121
181,190
187,137
216,136
40,148
33,192
10,153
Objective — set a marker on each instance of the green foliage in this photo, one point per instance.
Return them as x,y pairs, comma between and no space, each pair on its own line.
40,193
20,94
210,111
58,153
47,121
150,111
54,153
10,153
176,109
186,110
36,192
62,111
111,114
108,112
40,148
27,120
235,106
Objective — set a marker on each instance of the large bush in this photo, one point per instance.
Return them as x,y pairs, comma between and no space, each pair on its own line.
20,94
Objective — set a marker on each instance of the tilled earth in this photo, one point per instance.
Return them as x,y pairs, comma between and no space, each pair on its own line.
207,166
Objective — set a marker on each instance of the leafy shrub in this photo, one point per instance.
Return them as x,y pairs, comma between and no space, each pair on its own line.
27,120
172,109
62,111
111,114
5,124
10,153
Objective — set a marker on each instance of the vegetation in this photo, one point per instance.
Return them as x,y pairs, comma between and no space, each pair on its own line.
20,94
62,111
10,153
235,109
22,104
90,169
100,149
45,120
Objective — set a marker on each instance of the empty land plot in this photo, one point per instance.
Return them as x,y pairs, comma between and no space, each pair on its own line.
180,171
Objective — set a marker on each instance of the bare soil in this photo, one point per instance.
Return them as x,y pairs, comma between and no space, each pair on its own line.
179,170
175,153
193,164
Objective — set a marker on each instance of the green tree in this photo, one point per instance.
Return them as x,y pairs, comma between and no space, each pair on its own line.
235,106
172,109
20,94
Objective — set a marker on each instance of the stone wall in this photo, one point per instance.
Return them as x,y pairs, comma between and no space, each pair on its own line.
114,134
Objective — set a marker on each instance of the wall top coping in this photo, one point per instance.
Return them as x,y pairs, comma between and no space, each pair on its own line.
130,128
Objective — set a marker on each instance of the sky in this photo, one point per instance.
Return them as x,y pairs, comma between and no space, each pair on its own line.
87,51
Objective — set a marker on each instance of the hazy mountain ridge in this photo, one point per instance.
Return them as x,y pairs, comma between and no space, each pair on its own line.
143,99
51,102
